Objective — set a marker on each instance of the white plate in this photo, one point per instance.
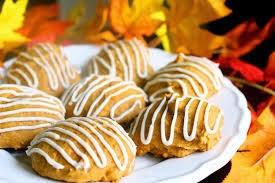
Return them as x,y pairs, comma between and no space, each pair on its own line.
16,167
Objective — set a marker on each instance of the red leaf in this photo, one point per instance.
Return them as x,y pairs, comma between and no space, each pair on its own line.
270,68
44,38
246,36
261,106
269,71
248,71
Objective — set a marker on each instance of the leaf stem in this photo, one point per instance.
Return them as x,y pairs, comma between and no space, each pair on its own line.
254,85
154,42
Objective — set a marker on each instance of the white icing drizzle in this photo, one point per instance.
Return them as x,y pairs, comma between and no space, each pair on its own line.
112,87
56,66
105,127
118,49
47,157
31,102
160,108
178,73
32,127
164,90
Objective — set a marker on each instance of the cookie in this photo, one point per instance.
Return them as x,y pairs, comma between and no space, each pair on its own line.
82,149
186,76
44,67
127,59
176,127
104,96
25,112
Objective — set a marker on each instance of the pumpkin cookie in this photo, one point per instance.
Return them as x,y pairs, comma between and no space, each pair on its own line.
186,76
83,149
25,112
104,96
127,59
44,67
176,127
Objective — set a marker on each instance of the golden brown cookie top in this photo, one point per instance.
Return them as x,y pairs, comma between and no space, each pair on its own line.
44,67
25,108
105,96
127,59
176,119
85,143
186,76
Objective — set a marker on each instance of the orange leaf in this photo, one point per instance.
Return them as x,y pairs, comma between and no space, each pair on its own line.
255,159
247,36
46,16
37,15
135,20
183,19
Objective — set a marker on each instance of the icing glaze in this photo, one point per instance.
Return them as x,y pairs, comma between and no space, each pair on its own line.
95,131
30,102
110,87
55,64
119,49
160,108
180,74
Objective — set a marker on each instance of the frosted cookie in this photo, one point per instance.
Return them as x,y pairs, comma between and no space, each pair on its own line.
25,112
44,67
104,96
83,149
186,76
176,127
127,59
2,70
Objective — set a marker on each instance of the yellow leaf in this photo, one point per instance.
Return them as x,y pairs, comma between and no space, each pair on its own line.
135,20
91,30
183,20
255,159
77,13
11,18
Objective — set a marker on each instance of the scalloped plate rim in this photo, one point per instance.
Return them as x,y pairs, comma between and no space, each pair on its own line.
210,166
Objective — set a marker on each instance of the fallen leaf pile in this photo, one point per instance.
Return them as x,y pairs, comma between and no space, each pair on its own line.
175,26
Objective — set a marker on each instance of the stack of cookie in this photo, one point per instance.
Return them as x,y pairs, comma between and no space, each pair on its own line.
75,129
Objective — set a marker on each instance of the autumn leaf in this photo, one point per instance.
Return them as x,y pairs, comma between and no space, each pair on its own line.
248,71
270,71
50,27
41,39
246,36
91,30
11,18
135,20
255,159
183,20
